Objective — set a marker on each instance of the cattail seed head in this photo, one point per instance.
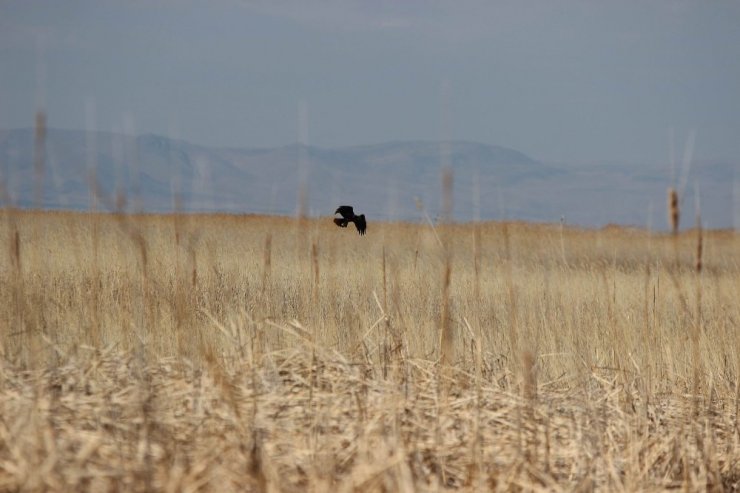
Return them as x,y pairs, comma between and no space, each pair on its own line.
673,212
16,249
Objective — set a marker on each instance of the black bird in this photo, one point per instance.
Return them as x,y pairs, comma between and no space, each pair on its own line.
348,216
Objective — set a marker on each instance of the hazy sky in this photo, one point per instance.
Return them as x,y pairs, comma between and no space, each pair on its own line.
558,80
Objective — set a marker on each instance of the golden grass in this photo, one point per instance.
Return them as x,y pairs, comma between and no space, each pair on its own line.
245,353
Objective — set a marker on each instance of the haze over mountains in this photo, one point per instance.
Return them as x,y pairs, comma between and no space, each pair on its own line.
383,180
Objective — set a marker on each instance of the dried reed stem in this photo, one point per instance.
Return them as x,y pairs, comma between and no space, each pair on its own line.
513,331
562,241
446,347
316,278
266,262
445,328
697,326
699,245
529,393
386,322
38,159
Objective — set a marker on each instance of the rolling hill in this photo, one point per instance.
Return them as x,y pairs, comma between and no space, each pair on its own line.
382,180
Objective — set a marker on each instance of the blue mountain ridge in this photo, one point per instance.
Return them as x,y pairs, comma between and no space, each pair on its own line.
386,181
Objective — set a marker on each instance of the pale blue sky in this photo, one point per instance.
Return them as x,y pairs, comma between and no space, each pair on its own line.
567,81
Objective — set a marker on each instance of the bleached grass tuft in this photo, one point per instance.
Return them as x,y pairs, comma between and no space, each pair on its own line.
244,353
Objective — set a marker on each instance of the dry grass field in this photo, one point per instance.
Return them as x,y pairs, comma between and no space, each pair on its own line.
244,353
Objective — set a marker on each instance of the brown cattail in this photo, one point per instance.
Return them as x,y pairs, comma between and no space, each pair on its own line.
194,273
15,248
673,212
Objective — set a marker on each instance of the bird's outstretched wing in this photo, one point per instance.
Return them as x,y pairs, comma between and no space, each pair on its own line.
346,211
341,222
361,224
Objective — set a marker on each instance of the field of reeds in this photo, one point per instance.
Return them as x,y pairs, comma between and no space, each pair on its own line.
246,353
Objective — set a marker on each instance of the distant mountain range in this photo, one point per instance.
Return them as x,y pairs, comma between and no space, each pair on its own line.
388,181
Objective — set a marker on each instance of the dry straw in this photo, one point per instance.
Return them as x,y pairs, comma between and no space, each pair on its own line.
446,336
226,362
39,156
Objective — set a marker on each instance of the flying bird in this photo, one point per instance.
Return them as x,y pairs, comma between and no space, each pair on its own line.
348,216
